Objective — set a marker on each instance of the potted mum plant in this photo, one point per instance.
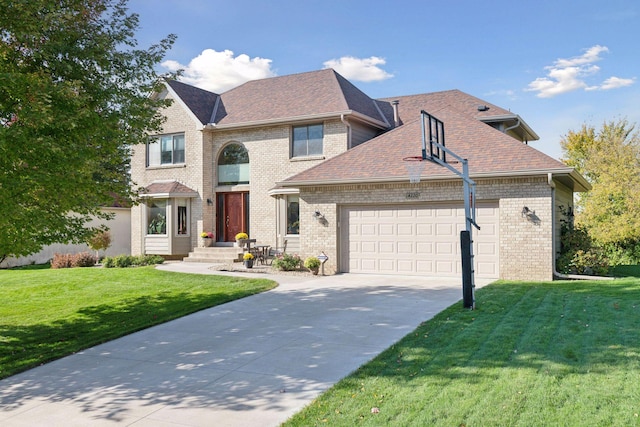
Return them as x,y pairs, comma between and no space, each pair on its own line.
248,260
241,239
206,239
313,264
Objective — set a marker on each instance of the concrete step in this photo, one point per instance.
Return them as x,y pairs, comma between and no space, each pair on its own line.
215,254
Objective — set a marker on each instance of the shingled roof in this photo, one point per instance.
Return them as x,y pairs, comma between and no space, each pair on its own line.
296,96
315,94
200,102
168,189
489,151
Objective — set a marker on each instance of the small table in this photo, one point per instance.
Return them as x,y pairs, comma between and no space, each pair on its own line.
261,253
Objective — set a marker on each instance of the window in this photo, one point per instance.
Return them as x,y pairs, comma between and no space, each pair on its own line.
157,217
307,141
182,217
293,214
165,150
233,165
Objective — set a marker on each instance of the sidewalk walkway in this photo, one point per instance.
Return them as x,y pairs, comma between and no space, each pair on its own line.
251,362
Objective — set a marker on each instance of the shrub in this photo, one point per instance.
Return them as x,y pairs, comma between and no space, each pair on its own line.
312,262
578,253
61,261
82,259
124,261
287,262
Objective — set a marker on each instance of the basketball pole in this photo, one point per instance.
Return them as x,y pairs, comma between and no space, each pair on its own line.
469,188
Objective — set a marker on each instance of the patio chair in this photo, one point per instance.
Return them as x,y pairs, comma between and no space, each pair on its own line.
274,252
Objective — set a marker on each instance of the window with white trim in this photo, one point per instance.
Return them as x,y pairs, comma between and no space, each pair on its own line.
165,150
307,140
157,217
182,217
293,214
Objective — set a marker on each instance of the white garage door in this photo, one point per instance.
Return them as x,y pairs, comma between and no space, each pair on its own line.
416,240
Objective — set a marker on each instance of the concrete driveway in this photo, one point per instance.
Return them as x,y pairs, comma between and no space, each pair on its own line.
252,362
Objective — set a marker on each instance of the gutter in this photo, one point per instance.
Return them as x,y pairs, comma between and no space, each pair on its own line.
553,240
441,177
503,117
303,118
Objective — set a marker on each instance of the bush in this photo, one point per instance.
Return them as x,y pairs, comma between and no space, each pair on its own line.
286,262
578,253
61,261
82,259
124,261
312,262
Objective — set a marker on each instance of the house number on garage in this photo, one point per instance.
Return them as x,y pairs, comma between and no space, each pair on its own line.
413,195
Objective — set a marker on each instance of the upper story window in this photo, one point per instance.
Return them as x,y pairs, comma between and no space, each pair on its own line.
165,150
307,141
233,165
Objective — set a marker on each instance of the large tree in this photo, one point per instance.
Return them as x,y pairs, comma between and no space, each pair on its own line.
609,158
74,98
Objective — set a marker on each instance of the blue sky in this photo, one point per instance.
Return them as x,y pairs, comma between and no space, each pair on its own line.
558,64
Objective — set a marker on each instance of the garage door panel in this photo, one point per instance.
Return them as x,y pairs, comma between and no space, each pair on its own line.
424,248
369,247
424,229
445,229
421,239
406,248
387,247
405,230
368,230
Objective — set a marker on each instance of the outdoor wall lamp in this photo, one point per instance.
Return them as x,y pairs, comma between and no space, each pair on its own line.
317,216
209,202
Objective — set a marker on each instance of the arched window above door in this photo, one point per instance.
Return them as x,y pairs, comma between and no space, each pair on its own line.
233,165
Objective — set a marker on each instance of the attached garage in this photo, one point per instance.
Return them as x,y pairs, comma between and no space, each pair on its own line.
422,239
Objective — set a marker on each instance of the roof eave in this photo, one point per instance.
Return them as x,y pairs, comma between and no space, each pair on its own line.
582,184
298,119
504,117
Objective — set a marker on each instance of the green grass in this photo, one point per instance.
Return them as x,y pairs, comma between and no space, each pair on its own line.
532,354
46,314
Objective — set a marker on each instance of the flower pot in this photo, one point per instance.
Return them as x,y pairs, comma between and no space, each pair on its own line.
206,243
248,263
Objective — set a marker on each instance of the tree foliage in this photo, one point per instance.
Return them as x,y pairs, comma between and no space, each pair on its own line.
74,98
609,158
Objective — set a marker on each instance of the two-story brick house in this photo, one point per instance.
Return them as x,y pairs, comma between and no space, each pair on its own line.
311,159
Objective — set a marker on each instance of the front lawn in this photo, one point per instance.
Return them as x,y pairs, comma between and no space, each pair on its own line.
565,353
46,314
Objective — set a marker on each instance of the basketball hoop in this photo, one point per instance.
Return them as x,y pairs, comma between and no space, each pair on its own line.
415,165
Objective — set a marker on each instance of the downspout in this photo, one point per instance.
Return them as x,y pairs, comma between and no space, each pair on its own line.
346,123
553,239
515,126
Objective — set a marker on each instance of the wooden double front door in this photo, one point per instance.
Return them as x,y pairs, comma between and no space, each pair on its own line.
233,215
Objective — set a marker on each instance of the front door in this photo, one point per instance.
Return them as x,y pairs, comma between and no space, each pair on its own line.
234,218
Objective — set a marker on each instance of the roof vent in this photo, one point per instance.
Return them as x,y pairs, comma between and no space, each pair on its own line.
483,108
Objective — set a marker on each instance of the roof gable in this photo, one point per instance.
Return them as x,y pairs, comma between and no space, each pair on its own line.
199,101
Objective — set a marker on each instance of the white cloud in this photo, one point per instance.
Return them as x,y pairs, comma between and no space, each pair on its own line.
568,75
360,69
616,82
221,71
